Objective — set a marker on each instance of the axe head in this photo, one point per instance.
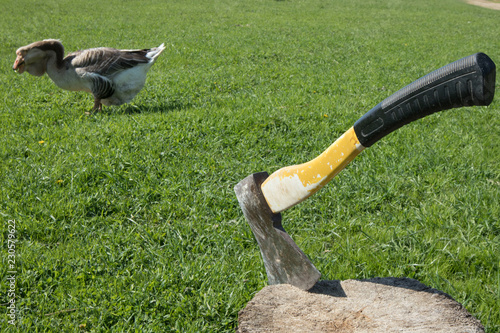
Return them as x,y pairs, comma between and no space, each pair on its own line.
285,263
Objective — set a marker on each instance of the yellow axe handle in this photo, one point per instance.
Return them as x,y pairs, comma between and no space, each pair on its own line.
296,183
465,82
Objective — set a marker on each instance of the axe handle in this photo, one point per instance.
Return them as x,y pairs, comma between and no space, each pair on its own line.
466,82
290,185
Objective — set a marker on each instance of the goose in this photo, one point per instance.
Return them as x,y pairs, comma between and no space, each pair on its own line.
112,76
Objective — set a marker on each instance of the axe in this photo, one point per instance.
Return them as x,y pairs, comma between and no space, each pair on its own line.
466,82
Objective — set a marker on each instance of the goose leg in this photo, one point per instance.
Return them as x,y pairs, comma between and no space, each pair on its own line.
102,88
97,105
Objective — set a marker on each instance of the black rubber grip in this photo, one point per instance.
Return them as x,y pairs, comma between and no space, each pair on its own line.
466,82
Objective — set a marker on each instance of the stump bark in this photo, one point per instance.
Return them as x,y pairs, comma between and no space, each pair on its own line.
373,305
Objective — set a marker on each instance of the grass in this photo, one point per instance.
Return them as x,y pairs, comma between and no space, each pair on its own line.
127,220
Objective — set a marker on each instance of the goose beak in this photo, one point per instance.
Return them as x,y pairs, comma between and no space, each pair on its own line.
19,64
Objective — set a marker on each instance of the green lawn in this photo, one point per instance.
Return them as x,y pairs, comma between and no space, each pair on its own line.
127,220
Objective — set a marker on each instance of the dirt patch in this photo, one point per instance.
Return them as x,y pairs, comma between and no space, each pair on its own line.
485,4
353,306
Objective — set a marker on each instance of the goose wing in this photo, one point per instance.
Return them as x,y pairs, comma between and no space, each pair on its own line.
106,61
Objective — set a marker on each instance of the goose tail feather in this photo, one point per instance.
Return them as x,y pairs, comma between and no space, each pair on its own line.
155,52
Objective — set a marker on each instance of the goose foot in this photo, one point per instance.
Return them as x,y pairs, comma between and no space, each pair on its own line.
97,108
97,105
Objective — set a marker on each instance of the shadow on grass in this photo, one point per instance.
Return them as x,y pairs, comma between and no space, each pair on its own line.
162,107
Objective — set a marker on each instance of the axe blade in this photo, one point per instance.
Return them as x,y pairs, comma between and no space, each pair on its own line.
285,263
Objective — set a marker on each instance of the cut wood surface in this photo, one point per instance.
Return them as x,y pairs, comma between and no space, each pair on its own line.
373,305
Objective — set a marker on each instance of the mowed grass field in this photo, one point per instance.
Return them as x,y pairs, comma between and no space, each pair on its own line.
126,221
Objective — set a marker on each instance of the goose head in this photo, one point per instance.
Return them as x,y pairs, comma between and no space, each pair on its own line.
33,58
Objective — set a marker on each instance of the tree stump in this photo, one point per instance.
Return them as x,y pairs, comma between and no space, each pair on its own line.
373,305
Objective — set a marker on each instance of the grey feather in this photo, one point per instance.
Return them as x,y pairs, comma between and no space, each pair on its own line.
107,61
